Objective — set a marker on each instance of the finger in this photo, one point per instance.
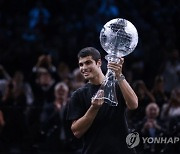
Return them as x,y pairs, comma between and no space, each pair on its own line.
115,67
114,64
121,61
100,93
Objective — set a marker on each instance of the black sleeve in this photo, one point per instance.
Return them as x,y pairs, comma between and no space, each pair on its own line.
76,106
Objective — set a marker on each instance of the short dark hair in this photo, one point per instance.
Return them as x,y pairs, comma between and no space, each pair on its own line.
89,51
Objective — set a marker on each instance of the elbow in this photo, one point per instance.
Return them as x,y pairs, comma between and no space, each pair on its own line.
76,133
134,104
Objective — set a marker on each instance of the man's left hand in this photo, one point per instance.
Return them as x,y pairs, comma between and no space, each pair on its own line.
116,67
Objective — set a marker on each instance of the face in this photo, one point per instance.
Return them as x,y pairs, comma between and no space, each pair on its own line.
61,92
152,112
18,77
45,79
175,96
89,68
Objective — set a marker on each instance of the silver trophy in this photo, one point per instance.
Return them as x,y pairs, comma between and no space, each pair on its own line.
118,38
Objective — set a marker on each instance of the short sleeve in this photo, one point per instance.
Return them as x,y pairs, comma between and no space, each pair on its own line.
76,106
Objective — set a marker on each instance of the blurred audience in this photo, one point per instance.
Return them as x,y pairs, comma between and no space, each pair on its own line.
151,127
158,91
172,108
43,87
38,15
77,80
171,71
44,61
33,101
2,122
55,128
144,98
4,79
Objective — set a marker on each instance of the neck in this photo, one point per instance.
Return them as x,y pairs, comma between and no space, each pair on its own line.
59,101
98,79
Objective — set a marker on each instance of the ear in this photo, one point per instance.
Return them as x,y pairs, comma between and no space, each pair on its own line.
99,62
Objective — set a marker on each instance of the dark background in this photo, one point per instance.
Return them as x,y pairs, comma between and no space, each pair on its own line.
72,25
60,28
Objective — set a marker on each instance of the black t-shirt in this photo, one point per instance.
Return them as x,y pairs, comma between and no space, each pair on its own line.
107,134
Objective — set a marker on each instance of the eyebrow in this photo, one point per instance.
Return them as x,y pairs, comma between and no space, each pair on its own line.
87,61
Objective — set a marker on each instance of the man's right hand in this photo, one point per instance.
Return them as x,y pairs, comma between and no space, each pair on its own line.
98,100
80,126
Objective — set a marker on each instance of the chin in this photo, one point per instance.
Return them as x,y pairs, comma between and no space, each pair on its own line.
87,77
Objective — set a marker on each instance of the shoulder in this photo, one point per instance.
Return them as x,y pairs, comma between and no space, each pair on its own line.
81,90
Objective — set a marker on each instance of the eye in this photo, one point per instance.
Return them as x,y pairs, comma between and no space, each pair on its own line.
80,64
88,62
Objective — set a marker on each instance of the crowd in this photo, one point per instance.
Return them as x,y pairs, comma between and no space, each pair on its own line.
39,41
33,113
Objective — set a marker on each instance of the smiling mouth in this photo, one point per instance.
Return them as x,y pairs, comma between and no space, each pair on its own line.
85,73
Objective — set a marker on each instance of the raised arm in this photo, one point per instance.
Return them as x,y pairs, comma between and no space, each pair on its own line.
128,93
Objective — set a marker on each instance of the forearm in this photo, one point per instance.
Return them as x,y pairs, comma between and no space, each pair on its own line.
80,126
128,94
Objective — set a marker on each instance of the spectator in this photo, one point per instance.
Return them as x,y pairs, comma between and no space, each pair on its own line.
64,72
171,117
144,98
43,87
4,78
77,80
171,71
158,91
21,86
151,127
57,132
172,108
44,61
13,106
2,122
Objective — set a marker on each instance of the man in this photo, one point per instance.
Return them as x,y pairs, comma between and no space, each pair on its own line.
102,127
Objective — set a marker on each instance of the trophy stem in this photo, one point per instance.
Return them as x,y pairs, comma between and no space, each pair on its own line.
112,58
109,84
109,88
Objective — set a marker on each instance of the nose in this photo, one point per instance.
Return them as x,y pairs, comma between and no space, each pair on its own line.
84,67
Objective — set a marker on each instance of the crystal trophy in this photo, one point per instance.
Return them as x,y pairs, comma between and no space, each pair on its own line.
118,38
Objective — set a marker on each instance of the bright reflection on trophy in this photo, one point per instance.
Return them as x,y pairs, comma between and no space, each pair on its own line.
118,38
